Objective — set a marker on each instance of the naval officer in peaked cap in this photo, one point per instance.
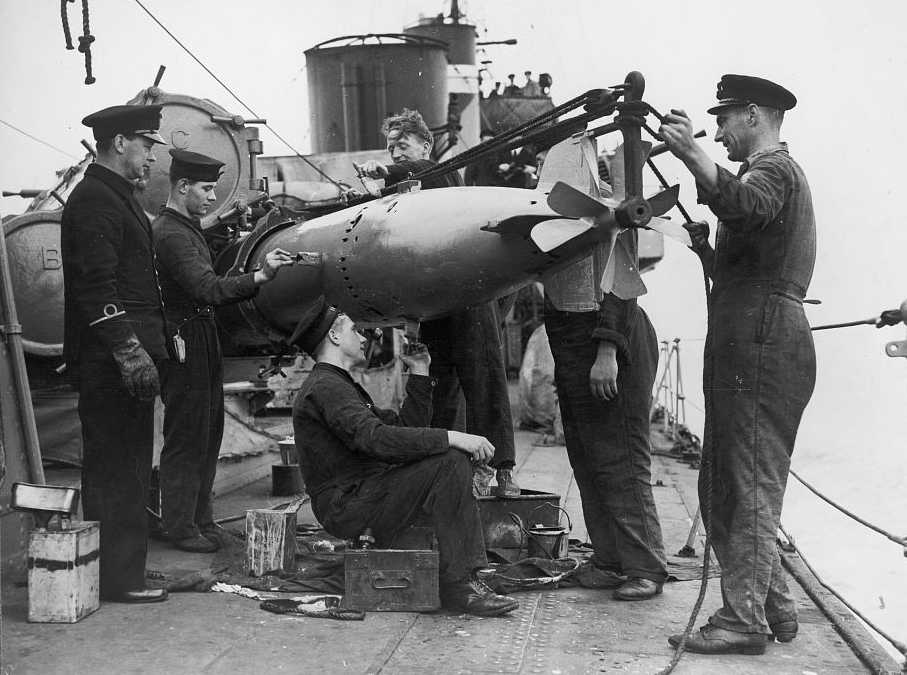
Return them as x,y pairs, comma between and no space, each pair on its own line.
760,362
192,378
113,339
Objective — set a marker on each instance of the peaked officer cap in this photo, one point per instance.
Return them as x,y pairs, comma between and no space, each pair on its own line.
142,120
315,323
194,166
736,90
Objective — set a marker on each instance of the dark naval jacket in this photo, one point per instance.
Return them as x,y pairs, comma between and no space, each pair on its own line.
342,439
110,284
188,280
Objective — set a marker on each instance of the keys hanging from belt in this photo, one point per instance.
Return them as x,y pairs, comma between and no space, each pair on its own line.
179,344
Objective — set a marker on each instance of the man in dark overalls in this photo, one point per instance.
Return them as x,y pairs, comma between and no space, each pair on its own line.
466,348
113,337
192,379
365,467
760,364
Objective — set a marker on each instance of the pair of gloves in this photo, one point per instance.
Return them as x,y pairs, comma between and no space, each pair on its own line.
137,369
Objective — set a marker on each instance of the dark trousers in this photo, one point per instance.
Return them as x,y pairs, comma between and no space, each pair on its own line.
760,370
117,444
193,396
438,487
608,443
466,352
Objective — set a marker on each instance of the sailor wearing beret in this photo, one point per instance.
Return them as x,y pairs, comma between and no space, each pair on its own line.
192,378
760,366
113,338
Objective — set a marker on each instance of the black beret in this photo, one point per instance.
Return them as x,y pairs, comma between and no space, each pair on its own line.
194,166
736,90
143,120
314,324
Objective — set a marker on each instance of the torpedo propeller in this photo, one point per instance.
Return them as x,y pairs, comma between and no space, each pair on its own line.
621,275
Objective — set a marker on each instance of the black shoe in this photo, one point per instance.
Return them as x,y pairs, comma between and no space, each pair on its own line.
637,588
215,533
474,597
196,544
784,631
588,575
714,640
506,486
141,596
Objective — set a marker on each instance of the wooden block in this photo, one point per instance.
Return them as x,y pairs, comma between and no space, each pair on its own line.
270,541
63,573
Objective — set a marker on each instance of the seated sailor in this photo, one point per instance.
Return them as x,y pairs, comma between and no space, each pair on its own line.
365,467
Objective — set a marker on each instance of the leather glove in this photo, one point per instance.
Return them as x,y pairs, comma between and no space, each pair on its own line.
137,369
699,234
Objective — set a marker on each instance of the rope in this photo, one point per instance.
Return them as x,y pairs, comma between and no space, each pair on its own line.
85,41
705,504
897,540
900,646
65,19
233,94
38,140
706,514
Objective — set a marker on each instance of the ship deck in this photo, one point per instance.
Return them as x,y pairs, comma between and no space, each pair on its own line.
564,630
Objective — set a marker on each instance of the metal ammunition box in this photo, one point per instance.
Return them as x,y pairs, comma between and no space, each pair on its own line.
388,580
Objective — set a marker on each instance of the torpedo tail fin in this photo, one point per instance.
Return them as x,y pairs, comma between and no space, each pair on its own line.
573,161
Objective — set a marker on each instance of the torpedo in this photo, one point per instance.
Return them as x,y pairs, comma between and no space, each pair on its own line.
413,256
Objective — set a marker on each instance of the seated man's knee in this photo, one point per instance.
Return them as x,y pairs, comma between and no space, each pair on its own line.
457,465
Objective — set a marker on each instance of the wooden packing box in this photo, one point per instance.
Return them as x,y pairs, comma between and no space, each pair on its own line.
63,573
389,580
270,541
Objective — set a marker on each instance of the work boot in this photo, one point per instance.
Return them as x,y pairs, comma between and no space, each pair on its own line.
588,575
637,588
474,597
506,486
714,640
215,533
138,596
784,631
196,544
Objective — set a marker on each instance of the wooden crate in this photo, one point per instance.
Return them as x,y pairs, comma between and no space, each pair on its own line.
270,541
63,569
387,580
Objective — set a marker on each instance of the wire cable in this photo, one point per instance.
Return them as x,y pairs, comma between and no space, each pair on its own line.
897,540
900,646
234,95
38,140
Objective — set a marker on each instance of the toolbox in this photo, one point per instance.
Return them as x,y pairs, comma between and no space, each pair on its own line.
391,580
